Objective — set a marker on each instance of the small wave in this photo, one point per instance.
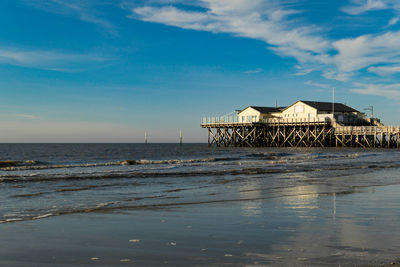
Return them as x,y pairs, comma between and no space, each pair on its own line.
42,216
99,176
176,161
333,156
29,195
125,205
35,165
11,220
242,168
268,156
9,165
143,175
75,189
13,163
62,190
106,204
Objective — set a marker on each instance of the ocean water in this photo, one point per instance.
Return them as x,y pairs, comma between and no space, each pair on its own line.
298,197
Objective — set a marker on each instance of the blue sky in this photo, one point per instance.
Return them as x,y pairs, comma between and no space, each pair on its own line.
109,70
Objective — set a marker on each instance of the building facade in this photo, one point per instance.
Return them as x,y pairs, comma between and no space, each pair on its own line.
304,111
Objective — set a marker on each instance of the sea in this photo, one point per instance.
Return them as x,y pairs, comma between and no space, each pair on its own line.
292,206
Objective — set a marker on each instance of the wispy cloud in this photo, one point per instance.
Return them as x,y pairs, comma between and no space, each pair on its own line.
358,7
385,70
361,6
257,70
391,91
287,35
25,116
84,10
261,20
49,60
358,53
393,21
315,84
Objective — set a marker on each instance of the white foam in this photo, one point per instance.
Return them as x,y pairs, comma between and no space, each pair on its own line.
42,216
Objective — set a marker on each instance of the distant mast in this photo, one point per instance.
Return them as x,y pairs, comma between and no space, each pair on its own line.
145,137
370,108
333,102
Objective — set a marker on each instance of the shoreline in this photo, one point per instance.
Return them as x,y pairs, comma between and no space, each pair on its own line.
242,233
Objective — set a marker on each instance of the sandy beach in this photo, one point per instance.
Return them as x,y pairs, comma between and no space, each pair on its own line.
165,204
275,232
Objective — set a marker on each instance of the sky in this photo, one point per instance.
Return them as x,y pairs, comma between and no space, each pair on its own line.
110,70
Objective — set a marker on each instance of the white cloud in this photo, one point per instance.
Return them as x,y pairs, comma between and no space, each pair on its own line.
287,35
257,19
391,91
25,116
359,7
315,84
49,60
358,53
81,9
393,21
362,6
174,17
258,70
385,70
302,71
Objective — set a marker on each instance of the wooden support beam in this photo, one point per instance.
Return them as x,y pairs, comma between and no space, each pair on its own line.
209,130
288,137
301,134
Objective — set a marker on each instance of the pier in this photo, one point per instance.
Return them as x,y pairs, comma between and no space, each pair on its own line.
367,136
284,127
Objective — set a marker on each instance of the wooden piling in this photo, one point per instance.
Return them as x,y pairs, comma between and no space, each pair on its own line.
300,133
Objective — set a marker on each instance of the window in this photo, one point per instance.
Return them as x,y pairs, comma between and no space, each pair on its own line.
299,109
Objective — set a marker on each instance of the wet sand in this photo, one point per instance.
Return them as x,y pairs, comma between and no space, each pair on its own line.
359,228
188,205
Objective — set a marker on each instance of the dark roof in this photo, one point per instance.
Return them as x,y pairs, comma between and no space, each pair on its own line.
267,109
327,106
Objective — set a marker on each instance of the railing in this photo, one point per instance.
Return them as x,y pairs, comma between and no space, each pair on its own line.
254,119
217,120
367,130
294,120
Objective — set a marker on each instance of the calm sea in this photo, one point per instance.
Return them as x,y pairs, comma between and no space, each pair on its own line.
43,180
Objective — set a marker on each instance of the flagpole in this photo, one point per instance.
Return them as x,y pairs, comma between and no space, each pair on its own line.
333,102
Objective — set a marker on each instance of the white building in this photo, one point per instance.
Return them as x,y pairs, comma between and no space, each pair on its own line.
257,114
311,110
302,110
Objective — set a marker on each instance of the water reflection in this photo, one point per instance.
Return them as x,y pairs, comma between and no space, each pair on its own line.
361,230
301,197
251,189
334,204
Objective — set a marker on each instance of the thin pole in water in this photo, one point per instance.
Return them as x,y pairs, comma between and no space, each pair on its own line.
180,137
145,137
